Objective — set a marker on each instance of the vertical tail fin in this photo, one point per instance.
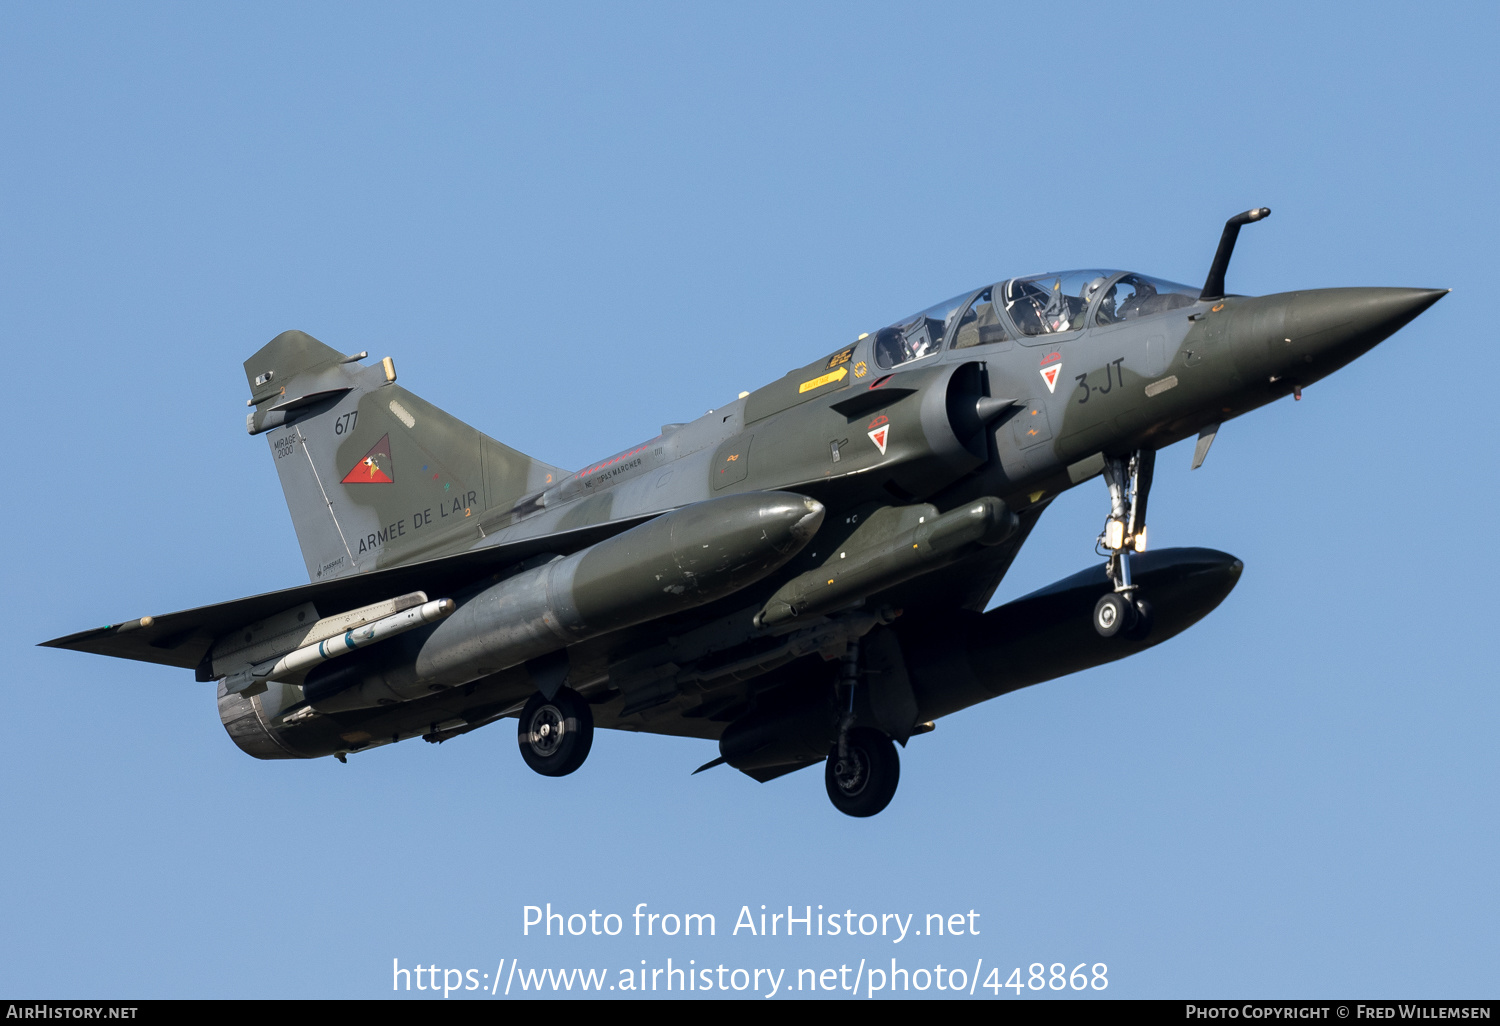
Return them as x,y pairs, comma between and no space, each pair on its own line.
373,475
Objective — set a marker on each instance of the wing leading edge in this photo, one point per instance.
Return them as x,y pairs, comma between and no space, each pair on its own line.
183,638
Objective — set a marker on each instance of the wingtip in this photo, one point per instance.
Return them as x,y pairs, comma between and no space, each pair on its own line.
71,640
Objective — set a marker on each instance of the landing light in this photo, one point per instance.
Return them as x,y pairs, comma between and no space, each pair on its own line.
1140,540
1114,535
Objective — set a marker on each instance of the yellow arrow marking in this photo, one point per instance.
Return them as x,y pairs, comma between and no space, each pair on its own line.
819,382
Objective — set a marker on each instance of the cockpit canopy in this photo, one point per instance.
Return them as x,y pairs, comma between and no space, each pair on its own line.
1021,308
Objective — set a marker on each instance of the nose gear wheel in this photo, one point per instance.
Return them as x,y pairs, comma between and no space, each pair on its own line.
1113,613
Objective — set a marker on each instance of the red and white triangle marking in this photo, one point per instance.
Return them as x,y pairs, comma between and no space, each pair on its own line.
880,436
1050,374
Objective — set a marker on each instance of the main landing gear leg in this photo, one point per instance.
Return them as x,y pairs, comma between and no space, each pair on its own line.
1123,611
863,768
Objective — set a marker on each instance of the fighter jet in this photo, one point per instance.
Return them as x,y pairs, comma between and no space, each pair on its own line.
799,575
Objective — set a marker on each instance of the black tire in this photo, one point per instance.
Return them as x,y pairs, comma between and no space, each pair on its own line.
1143,621
872,783
555,735
1112,614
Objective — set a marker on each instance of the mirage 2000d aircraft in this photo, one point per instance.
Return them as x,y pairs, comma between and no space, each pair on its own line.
799,575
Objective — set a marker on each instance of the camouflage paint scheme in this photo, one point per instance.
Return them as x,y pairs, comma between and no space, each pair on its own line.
927,451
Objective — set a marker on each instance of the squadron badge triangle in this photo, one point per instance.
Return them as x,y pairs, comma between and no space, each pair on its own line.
1051,371
376,467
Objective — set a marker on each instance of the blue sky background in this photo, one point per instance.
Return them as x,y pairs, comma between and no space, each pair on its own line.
571,224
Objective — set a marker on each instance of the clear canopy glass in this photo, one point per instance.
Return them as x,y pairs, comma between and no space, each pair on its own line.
1139,295
1050,304
980,323
917,336
1042,304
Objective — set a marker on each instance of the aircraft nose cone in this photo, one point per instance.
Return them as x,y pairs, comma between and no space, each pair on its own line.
1328,328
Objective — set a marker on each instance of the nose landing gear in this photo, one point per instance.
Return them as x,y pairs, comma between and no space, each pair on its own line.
1123,611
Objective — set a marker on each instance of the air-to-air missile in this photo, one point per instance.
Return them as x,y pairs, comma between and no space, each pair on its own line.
252,676
800,575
